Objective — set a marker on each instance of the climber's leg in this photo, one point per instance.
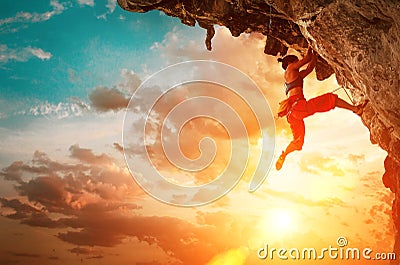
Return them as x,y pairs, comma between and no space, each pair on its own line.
340,103
323,103
329,101
298,130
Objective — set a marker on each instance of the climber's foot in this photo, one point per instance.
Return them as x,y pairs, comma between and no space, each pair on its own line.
360,108
280,161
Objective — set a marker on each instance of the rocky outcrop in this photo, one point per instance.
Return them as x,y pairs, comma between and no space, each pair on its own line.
357,40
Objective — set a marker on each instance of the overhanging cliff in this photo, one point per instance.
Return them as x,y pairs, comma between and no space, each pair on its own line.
358,40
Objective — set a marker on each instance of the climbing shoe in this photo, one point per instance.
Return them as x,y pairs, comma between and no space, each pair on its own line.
360,108
280,161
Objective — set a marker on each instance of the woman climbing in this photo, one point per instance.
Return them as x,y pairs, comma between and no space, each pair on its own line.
296,107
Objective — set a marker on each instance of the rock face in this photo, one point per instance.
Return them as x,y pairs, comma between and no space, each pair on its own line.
357,40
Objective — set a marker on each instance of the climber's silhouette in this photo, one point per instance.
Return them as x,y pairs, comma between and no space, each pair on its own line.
296,107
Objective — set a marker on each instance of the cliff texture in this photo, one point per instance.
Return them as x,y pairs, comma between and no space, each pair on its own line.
357,40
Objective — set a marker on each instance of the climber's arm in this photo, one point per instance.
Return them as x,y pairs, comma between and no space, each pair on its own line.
310,66
306,59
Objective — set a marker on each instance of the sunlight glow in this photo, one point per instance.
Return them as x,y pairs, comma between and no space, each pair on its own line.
282,220
278,222
231,257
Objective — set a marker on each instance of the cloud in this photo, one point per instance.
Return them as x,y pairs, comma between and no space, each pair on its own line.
317,163
111,4
83,250
25,255
13,172
87,156
232,257
21,209
39,53
95,257
66,188
116,98
74,107
72,76
26,17
244,53
130,81
93,202
86,2
22,55
104,99
356,158
297,198
118,147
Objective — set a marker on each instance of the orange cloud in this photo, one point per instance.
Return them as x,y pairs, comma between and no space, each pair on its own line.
93,210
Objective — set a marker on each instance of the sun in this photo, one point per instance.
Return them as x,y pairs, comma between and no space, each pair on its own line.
279,221
282,219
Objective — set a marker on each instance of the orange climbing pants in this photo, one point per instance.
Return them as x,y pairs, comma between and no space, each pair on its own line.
300,109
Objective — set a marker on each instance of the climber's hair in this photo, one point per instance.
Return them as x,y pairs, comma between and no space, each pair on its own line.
287,60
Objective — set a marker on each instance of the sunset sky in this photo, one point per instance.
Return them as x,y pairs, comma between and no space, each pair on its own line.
68,70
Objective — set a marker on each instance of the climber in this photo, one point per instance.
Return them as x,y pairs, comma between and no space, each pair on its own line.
296,107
